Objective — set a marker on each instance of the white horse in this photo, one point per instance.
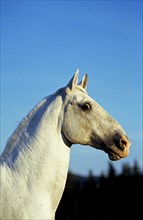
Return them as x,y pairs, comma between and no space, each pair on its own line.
34,163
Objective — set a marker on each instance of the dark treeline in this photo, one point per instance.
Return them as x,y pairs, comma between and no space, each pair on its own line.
105,197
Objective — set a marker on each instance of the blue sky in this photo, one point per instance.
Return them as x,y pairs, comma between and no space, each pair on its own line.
42,44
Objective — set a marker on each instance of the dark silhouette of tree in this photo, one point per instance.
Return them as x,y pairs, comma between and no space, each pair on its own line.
106,197
111,170
135,169
126,169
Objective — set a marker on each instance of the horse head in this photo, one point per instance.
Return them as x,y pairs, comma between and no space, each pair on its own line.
86,122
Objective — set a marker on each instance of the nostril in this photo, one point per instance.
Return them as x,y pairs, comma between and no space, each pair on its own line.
121,142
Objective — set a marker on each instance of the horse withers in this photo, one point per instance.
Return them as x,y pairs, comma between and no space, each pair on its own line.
35,160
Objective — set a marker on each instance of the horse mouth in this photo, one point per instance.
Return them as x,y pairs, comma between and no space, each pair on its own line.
115,154
119,149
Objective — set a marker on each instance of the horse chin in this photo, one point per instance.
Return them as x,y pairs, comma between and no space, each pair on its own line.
113,156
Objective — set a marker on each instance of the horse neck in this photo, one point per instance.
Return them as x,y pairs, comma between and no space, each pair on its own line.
39,145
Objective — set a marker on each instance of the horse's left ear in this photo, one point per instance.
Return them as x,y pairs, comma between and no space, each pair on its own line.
73,82
84,81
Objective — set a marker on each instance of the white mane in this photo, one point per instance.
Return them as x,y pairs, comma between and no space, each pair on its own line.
21,133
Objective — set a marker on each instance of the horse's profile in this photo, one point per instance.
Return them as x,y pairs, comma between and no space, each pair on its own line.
34,163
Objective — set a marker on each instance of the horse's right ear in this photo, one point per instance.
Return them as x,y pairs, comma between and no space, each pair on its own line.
73,82
84,81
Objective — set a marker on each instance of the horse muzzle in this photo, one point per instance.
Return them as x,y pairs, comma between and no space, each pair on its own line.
120,148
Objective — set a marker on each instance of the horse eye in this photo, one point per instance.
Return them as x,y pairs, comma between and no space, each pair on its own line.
85,107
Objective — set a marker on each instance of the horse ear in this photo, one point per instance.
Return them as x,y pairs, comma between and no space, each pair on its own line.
73,81
84,81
